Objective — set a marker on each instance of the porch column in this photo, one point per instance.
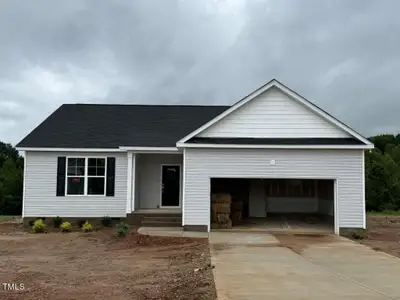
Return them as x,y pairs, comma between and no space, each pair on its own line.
129,183
133,181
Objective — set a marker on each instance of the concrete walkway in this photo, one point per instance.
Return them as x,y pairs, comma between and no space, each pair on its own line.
261,266
171,231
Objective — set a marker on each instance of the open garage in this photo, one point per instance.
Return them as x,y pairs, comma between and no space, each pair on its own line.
300,205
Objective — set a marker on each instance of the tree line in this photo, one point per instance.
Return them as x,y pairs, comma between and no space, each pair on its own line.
11,180
382,176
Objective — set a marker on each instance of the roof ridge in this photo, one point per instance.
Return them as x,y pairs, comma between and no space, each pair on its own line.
144,105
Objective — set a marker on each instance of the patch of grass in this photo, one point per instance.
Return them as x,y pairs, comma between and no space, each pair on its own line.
384,213
6,218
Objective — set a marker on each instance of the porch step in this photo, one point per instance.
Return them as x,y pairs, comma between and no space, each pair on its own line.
158,221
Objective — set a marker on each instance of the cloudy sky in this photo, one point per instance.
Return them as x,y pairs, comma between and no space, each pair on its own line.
342,55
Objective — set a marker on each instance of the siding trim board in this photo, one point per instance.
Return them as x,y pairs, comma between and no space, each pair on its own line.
24,186
243,146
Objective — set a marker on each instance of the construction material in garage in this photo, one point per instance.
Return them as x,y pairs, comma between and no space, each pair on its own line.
221,211
237,212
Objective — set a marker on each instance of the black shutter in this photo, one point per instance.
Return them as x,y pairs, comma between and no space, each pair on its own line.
110,186
61,176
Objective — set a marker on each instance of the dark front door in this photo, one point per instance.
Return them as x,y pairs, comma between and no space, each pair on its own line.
170,185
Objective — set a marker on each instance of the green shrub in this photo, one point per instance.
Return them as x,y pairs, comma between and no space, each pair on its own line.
80,223
87,227
57,221
66,227
358,234
123,229
39,226
106,221
31,222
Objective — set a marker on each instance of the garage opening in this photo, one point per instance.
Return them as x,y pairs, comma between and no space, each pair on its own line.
302,205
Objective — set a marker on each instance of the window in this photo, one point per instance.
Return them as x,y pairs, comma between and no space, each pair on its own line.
86,176
75,176
96,176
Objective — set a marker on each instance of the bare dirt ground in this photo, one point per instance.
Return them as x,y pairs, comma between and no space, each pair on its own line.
99,265
383,234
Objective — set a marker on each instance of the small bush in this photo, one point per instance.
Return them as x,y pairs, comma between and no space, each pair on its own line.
358,234
31,222
123,229
66,227
80,223
87,227
57,221
39,226
106,221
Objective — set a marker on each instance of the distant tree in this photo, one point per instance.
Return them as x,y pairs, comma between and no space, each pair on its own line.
382,179
381,141
11,180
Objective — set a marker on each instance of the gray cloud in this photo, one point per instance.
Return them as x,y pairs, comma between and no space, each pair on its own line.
342,55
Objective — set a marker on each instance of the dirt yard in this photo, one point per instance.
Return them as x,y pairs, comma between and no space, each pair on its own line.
383,234
99,265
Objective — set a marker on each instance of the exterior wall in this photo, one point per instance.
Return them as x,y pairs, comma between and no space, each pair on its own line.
40,198
273,114
149,177
346,166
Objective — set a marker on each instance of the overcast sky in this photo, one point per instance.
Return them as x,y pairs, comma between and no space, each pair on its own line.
342,55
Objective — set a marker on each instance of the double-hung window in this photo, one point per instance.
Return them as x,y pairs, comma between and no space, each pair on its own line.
86,176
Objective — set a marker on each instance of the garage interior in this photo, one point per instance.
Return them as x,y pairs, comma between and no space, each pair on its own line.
272,204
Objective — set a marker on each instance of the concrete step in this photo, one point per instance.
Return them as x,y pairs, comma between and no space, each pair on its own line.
156,215
163,219
147,223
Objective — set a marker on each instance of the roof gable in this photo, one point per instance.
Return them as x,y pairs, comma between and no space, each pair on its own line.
273,114
274,111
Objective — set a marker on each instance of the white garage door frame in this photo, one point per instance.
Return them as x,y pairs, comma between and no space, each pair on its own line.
335,193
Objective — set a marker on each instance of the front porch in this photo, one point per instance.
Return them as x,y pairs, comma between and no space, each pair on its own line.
154,183
155,189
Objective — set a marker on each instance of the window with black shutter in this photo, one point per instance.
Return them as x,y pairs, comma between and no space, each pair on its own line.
83,176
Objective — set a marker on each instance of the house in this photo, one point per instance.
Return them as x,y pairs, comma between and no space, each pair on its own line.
290,156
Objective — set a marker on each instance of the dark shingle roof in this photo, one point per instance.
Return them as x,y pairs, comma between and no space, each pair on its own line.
276,141
111,126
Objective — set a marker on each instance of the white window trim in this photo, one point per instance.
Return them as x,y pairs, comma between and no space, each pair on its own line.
86,177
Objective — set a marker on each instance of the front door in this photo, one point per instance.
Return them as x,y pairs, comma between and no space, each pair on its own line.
170,181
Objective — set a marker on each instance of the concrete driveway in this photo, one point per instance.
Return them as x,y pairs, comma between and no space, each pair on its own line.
263,266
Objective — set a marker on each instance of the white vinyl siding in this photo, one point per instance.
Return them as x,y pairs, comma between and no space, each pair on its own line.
346,166
273,114
40,189
149,177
